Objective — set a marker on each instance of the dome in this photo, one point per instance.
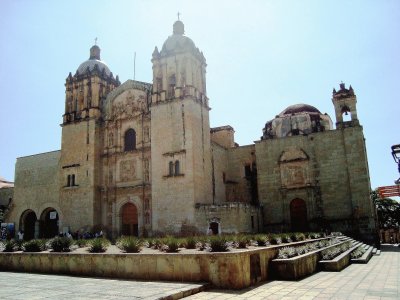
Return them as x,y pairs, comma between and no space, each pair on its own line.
299,108
298,119
177,42
93,61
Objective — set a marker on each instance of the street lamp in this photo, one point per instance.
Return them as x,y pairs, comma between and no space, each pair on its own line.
396,157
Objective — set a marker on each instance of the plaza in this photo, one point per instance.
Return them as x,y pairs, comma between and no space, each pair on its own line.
379,279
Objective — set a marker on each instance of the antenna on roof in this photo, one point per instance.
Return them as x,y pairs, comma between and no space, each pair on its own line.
134,66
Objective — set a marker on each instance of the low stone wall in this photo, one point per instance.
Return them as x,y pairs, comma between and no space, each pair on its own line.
233,270
297,267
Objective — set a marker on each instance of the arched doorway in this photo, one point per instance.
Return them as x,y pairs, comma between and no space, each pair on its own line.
27,224
129,220
49,223
214,226
298,215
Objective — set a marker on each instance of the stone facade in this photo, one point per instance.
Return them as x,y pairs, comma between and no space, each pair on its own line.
140,158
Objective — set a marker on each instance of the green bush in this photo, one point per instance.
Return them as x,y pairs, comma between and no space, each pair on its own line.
274,239
10,246
81,243
129,244
286,238
297,236
357,253
170,244
218,244
260,239
34,246
242,241
61,244
98,245
190,242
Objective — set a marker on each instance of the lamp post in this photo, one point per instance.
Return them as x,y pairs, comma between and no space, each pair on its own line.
396,157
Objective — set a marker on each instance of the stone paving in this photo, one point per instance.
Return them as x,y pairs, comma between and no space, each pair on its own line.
39,286
379,279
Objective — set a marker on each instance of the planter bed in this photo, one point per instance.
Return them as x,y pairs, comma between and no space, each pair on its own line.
364,258
300,266
236,269
339,262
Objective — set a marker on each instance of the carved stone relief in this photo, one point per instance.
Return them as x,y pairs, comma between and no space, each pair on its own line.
127,170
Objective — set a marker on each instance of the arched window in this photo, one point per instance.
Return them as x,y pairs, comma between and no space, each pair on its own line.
171,168
130,140
177,168
69,180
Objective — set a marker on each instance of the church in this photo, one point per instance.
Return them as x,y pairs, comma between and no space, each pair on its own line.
141,159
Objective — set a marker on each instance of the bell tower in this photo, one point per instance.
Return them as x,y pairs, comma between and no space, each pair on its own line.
180,135
79,167
344,101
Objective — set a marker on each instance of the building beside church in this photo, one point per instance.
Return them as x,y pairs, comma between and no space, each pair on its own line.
140,158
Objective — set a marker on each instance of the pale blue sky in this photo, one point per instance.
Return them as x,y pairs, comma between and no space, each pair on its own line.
262,57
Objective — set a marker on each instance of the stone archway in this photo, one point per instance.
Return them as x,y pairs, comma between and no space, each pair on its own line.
49,223
27,223
129,220
298,215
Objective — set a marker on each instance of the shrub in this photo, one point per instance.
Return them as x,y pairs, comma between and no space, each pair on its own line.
275,239
98,245
129,244
170,244
61,244
242,241
261,240
9,246
218,244
189,242
34,246
155,243
357,253
332,252
285,238
297,236
81,243
201,243
286,252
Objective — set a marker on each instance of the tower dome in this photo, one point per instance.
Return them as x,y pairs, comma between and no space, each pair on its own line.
93,61
298,119
178,42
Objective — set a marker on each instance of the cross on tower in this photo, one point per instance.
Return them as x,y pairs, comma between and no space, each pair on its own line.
95,41
179,15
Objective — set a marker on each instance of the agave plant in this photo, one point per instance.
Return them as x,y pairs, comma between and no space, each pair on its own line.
218,244
170,244
60,244
36,245
358,252
98,245
129,244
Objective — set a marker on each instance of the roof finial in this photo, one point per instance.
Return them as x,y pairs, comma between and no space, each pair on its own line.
95,41
179,15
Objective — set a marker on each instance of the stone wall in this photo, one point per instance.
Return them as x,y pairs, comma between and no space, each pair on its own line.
36,185
6,195
237,184
220,169
332,178
231,217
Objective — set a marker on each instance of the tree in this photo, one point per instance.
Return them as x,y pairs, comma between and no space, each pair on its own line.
388,211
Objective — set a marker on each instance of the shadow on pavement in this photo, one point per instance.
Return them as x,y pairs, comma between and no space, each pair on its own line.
390,248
